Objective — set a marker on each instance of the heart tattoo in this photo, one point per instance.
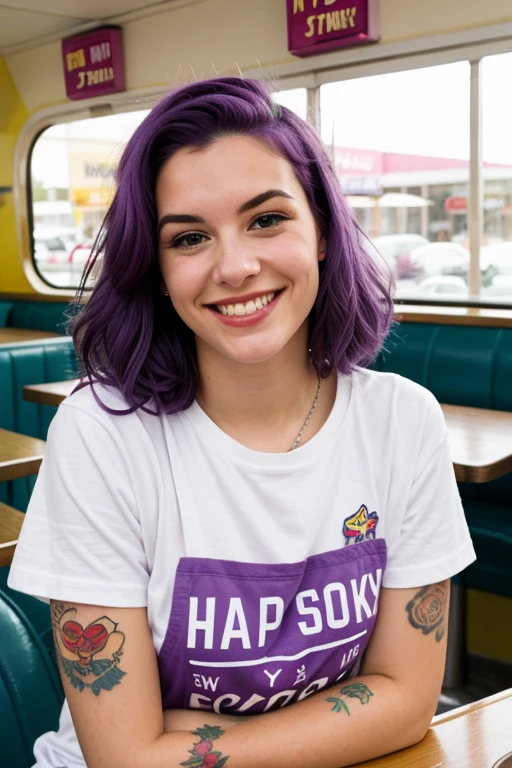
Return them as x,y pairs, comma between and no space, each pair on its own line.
89,656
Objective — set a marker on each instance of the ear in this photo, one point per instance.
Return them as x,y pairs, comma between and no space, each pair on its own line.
322,247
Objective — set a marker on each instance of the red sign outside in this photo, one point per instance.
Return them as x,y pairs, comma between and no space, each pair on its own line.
456,204
316,26
93,63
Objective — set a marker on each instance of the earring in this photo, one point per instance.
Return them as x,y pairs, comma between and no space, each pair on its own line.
166,293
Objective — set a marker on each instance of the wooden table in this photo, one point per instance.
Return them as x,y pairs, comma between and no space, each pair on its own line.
49,394
11,521
14,335
480,442
476,736
20,455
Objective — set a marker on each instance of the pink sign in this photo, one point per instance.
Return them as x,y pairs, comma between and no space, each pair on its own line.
93,63
316,26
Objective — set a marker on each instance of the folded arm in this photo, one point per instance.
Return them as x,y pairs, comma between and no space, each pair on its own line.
110,676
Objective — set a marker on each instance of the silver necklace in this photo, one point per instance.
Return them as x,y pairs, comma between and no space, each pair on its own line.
311,411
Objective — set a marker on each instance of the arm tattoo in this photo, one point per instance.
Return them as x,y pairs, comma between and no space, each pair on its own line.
203,755
354,691
89,656
427,609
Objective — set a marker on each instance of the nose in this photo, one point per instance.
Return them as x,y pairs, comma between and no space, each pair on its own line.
235,262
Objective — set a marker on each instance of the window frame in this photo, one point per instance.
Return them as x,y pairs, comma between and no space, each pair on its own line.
311,73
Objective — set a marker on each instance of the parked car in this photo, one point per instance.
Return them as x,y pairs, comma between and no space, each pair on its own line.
396,250
391,246
443,285
53,246
441,259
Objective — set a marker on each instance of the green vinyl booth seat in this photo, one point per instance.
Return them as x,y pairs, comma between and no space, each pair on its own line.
30,691
472,366
34,315
20,364
24,363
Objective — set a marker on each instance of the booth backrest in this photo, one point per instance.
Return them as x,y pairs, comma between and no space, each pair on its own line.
30,363
34,315
472,366
462,365
30,692
34,362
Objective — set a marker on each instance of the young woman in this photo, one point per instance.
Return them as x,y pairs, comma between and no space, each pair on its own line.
238,523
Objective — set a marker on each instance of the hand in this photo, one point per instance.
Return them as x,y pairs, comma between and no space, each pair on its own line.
190,719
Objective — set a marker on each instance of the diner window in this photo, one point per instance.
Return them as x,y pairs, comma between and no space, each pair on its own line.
400,144
496,251
71,177
295,99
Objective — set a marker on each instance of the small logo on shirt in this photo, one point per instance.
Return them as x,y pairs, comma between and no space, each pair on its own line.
360,527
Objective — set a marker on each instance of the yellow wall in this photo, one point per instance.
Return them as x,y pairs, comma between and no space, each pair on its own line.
13,114
490,625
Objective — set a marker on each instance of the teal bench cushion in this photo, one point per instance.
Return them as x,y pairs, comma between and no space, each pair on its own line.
5,310
30,363
461,365
38,316
472,366
30,692
20,364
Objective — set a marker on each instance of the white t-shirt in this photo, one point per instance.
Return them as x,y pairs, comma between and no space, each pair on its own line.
261,572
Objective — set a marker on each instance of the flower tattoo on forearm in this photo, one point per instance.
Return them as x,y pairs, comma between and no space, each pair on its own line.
89,655
203,754
354,691
427,609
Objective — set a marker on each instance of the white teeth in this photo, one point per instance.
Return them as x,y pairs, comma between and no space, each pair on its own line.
248,308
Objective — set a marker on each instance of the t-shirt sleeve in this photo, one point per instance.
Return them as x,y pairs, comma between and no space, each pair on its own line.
81,540
433,541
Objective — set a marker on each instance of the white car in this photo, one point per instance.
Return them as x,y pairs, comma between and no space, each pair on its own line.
52,246
443,285
391,246
441,259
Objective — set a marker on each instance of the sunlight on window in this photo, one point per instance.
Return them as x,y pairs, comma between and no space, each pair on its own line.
496,253
400,144
72,184
296,100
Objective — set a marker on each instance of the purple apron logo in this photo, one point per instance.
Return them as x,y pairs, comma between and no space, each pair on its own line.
247,638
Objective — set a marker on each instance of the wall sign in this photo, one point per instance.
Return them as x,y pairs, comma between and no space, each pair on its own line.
93,63
316,26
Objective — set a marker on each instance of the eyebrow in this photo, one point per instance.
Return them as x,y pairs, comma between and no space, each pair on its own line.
254,202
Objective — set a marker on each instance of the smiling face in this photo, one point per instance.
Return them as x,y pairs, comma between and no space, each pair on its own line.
238,249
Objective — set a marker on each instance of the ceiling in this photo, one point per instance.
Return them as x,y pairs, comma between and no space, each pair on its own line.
28,23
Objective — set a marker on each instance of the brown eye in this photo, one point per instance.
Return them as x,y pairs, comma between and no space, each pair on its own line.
268,220
190,240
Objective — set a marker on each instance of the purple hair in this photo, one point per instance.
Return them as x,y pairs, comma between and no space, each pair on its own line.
128,335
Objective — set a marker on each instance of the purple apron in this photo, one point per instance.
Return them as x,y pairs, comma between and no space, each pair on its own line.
246,638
